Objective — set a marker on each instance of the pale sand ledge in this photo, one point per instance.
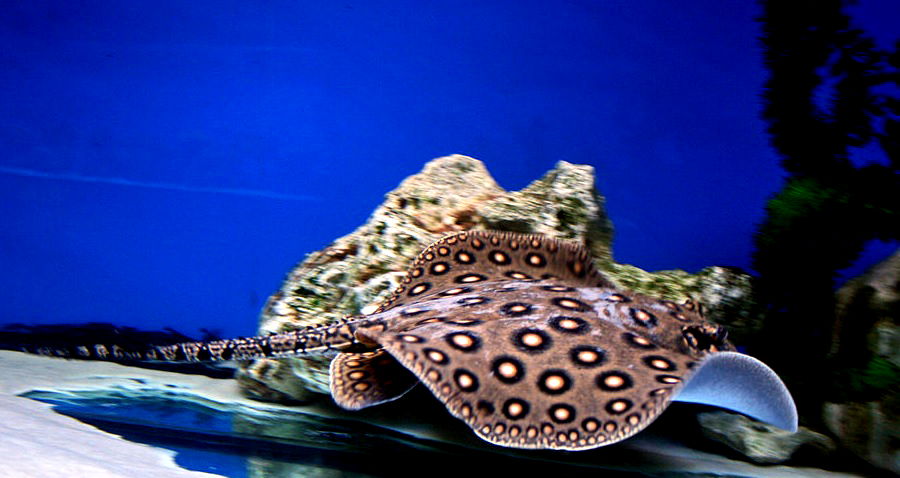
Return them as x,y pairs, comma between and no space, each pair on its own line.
36,442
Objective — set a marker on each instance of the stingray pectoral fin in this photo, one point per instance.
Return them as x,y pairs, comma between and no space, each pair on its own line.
361,380
744,384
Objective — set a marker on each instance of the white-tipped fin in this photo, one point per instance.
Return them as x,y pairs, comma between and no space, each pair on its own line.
744,384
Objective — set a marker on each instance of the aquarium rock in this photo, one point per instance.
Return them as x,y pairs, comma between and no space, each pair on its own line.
726,293
864,412
455,193
760,442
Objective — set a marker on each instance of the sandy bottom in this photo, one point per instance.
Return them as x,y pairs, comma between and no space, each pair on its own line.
37,442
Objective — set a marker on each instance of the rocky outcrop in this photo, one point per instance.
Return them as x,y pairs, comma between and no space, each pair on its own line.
758,441
456,193
725,293
864,410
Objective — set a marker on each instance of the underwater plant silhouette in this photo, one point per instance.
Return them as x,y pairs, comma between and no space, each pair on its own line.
831,92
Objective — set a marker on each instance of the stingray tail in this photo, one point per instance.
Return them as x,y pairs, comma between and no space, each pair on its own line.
122,348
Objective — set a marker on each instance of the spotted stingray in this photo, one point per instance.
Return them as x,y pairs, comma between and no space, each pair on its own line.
520,337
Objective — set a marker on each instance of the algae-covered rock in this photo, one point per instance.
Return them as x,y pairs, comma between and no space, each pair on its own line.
726,294
759,441
450,194
562,204
863,411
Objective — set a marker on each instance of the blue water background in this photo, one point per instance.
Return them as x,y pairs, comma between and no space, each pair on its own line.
166,163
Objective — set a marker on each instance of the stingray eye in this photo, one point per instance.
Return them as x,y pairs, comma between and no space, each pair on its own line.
706,337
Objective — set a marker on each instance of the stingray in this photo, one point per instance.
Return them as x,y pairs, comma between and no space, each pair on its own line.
521,338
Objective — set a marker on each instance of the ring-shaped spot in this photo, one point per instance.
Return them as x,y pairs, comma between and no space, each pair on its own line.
469,278
517,275
642,318
436,356
531,340
430,320
455,291
361,386
465,380
499,257
668,379
516,309
419,289
477,244
443,251
515,409
546,428
557,288
680,317
658,362
413,311
554,381
569,325
508,369
463,341
590,424
471,301
562,413
439,268
618,406
638,341
671,306
569,303
464,257
411,339
587,356
617,298
433,375
534,259
358,375
614,381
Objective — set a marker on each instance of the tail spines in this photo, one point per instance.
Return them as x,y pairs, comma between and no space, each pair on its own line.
311,340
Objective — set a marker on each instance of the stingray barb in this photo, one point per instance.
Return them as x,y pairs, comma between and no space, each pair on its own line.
520,337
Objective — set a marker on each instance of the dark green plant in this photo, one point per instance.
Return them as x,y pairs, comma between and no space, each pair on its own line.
871,381
829,94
